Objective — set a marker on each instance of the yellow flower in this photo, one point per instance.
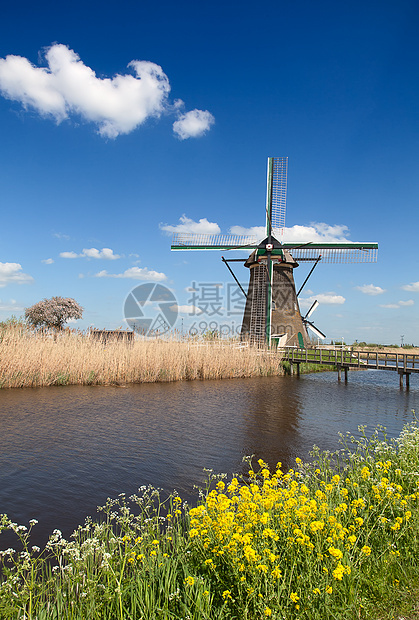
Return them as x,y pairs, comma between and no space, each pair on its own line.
365,473
268,612
336,553
294,597
366,550
189,581
298,461
341,570
316,526
226,594
329,590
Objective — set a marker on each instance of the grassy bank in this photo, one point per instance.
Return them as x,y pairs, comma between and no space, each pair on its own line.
336,539
308,368
31,359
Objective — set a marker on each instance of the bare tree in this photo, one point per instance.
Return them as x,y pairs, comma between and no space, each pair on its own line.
53,313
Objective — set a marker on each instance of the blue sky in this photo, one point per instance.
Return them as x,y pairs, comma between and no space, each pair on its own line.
96,168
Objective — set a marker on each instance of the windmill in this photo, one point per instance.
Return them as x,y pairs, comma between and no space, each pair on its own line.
272,308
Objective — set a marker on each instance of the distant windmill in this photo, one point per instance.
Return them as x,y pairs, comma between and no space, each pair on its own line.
271,301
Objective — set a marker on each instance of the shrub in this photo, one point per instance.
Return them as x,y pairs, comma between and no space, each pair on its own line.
53,313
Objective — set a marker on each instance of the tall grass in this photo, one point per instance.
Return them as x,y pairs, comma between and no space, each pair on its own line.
337,539
32,359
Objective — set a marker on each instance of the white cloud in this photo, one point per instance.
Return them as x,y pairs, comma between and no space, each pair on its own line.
370,289
186,309
400,304
69,255
11,273
319,232
116,105
413,287
12,306
328,299
193,124
187,225
134,273
104,253
254,231
47,261
58,235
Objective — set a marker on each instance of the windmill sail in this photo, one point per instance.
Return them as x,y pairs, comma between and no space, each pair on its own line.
194,241
276,195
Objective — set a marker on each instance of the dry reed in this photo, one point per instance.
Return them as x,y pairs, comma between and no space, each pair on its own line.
30,359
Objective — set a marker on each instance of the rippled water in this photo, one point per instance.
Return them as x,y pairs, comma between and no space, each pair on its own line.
64,450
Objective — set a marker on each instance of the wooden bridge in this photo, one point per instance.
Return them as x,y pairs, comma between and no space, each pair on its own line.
344,359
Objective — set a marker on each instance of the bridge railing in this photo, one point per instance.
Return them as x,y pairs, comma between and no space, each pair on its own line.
347,357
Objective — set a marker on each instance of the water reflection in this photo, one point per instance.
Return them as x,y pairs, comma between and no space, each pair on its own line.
63,450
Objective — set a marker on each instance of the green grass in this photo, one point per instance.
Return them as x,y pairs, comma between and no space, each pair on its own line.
337,538
306,368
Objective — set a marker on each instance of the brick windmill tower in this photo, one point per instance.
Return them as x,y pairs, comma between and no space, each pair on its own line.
272,308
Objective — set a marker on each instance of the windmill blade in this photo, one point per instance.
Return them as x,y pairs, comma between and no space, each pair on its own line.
314,329
334,252
194,241
311,325
279,191
311,310
276,197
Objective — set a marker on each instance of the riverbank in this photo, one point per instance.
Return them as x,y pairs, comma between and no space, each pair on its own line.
30,359
337,538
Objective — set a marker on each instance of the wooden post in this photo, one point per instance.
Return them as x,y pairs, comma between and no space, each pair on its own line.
407,380
298,370
401,380
339,374
346,374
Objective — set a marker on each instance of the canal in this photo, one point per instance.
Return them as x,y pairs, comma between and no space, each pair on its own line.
64,450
